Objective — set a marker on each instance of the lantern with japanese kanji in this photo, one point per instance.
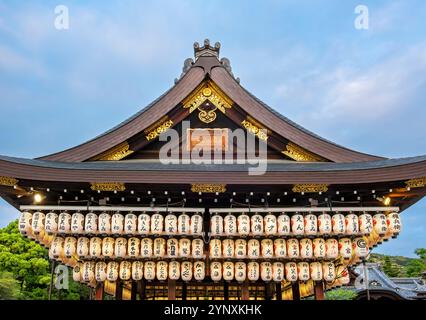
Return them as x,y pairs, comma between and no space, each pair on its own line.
270,222
161,270
197,248
120,248
306,251
394,223
25,223
144,223
338,223
278,271
133,247
215,248
230,225
291,273
216,271
240,248
240,271
77,223
328,271
64,222
256,222
108,247
186,270
146,248
57,247
315,269
243,225
137,270
331,248
345,248
228,248
324,224
117,223
199,270
159,248
157,221
183,223
170,224
95,247
266,271
253,249
267,248
130,223
51,223
83,247
104,223
365,223
228,271
293,250
174,270
112,271
91,223
297,224
280,248
303,271
88,273
100,271
380,225
149,270
311,224
70,247
172,248
319,248
184,248
351,224
216,225
76,272
283,225
253,271
196,225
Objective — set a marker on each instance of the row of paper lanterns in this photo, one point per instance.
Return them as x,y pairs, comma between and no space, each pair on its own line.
230,225
88,271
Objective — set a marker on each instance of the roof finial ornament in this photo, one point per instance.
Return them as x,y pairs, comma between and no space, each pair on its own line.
207,50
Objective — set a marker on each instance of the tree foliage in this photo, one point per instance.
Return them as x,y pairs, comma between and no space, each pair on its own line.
340,294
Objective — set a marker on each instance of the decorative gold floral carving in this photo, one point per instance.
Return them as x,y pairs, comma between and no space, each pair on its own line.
208,188
162,127
117,153
261,133
310,187
299,154
107,186
8,181
416,183
207,91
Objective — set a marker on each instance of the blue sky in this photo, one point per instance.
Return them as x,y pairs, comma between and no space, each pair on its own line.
365,89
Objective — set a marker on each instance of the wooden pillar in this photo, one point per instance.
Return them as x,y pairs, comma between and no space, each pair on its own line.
99,291
134,290
118,290
225,291
171,289
184,290
269,292
296,291
141,289
278,291
245,293
319,290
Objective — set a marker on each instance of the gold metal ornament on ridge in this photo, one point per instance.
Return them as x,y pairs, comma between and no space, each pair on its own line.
107,186
208,187
310,188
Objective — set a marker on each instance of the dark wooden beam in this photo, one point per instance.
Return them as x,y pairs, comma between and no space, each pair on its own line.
118,290
171,289
296,291
278,291
225,291
319,290
245,293
134,290
184,290
99,291
141,289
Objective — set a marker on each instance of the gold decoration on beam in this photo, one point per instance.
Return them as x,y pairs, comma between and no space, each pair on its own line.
117,153
208,187
207,91
107,186
299,154
416,183
261,133
162,126
310,188
8,181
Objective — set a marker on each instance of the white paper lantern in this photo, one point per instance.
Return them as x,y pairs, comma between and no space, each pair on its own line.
228,271
88,271
64,222
196,225
186,271
70,247
215,248
91,223
159,247
216,225
125,270
76,272
253,272
228,248
95,247
293,250
315,271
297,224
345,248
51,223
266,271
365,223
117,223
25,222
199,270
267,248
120,247
112,271
256,222
104,223
352,224
230,225
380,224
137,270
100,271
253,249
149,270
183,224
240,248
197,249
240,271
83,247
57,247
394,223
130,223
170,224
342,275
283,222
161,270
270,222
174,270
319,248
37,222
146,248
306,250
108,247
157,221
303,271
280,248
77,223
243,225
324,224
291,273
184,247
328,271
172,248
359,247
133,247
331,248
338,223
216,271
311,224
278,272
144,223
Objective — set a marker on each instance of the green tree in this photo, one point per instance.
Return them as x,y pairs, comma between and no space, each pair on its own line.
9,287
417,266
340,294
391,269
